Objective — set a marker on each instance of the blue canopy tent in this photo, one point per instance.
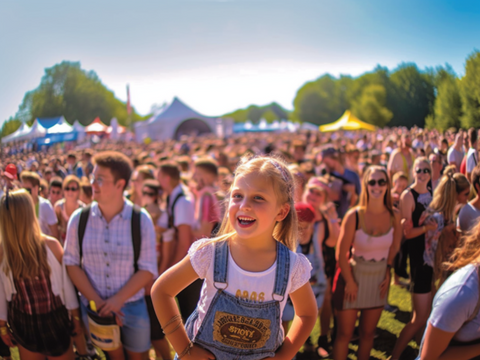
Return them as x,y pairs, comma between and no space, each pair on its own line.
57,130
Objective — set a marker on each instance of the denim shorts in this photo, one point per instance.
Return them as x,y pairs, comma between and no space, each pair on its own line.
135,331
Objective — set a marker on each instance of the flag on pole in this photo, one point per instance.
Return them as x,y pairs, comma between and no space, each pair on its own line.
129,108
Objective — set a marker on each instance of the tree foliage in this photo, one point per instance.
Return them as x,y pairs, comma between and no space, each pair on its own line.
370,106
470,92
10,126
254,113
448,103
66,89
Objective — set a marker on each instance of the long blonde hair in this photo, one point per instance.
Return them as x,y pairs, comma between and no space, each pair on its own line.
364,197
467,252
275,169
23,245
445,195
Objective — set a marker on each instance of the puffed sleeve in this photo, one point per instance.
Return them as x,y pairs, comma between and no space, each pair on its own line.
301,272
201,254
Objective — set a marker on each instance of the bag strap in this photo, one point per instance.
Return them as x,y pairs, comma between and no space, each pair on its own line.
171,214
136,235
82,224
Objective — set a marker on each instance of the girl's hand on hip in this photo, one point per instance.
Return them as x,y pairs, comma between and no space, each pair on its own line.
351,290
7,339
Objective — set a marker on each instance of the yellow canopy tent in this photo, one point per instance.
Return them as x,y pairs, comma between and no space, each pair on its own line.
347,122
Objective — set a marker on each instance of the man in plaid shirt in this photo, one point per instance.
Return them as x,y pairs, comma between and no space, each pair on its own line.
106,274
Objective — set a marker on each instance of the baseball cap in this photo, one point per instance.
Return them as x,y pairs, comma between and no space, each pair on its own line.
11,172
305,212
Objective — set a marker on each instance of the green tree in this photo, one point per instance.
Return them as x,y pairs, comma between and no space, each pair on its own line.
10,126
320,101
254,113
447,109
370,107
68,90
270,116
470,92
413,96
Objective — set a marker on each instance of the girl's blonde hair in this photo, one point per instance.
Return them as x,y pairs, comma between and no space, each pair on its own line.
23,245
275,169
445,195
468,251
364,197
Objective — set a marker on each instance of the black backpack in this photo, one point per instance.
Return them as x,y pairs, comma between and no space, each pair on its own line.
136,232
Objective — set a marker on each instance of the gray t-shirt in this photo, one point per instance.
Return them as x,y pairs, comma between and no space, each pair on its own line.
455,157
467,217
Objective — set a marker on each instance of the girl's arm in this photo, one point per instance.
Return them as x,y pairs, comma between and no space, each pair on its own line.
333,223
347,234
435,346
306,312
167,286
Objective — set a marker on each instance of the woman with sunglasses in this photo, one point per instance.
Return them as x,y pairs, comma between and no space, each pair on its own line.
141,173
65,207
369,240
413,203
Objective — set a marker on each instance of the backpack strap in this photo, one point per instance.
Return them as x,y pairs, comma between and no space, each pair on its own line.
136,235
82,224
171,213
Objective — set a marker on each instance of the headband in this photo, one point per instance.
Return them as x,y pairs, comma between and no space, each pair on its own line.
281,169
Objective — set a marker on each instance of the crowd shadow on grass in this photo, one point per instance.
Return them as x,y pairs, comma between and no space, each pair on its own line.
403,316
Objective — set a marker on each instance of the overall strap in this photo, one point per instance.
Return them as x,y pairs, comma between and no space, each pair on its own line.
282,272
82,224
220,264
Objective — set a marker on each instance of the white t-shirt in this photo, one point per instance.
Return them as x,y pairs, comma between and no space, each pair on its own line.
46,215
184,211
472,159
257,286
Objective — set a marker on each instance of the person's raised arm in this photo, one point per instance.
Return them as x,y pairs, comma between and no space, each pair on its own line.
164,290
347,234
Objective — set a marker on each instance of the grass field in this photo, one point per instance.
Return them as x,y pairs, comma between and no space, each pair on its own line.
389,326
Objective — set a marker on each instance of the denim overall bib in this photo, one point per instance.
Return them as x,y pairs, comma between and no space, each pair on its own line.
236,328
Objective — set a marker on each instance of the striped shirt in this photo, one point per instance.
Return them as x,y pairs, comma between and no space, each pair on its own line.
108,249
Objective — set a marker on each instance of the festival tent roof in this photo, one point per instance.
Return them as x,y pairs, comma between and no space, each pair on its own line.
347,122
174,120
36,131
60,127
78,127
49,122
96,127
17,135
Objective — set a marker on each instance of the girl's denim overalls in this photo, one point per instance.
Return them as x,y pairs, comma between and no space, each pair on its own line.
235,328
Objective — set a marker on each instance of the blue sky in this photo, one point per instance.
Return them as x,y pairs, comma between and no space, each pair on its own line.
221,55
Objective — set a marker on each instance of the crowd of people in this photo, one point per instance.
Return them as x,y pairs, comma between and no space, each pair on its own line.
236,248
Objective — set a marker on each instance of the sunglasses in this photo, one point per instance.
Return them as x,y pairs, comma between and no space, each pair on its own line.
29,190
424,170
373,182
146,193
71,189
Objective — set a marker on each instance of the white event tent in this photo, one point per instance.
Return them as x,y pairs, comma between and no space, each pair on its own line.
177,119
18,135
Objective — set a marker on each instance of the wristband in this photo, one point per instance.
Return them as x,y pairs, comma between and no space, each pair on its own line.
186,351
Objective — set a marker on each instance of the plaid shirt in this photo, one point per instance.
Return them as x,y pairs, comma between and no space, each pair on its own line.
108,249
